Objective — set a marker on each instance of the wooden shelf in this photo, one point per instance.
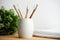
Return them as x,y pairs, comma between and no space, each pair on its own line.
15,37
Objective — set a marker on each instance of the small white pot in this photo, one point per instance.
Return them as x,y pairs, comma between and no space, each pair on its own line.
25,28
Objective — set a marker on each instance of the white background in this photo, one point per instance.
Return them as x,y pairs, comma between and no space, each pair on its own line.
47,16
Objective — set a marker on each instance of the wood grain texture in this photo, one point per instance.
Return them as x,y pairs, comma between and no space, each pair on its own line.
15,37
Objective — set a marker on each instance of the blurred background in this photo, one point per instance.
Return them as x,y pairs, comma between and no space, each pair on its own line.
46,17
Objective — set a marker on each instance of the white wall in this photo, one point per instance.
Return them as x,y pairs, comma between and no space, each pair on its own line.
47,15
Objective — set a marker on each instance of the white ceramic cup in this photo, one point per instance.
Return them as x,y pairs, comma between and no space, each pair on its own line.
25,28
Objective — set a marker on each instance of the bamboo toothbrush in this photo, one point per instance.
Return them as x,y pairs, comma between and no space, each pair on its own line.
26,12
20,13
34,11
16,11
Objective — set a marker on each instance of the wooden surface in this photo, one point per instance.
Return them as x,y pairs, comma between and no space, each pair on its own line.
15,37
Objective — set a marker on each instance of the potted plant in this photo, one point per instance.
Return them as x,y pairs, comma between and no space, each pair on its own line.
8,21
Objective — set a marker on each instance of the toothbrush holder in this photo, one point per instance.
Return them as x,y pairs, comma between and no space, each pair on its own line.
25,28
